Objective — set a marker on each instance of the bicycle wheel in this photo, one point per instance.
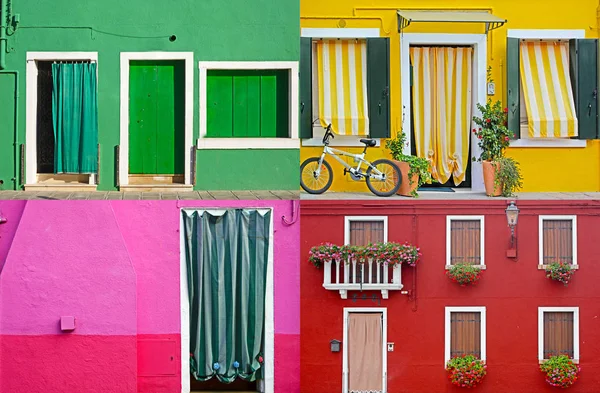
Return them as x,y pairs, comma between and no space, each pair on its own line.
309,180
389,184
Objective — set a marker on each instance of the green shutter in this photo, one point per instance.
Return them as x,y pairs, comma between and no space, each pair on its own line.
306,129
583,64
378,86
513,86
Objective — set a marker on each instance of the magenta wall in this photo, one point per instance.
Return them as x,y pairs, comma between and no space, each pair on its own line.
115,266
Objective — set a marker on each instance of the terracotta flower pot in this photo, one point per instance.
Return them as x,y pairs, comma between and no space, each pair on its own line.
489,176
406,188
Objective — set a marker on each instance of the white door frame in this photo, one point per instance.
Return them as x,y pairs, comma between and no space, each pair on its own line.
31,84
374,310
268,383
479,43
126,58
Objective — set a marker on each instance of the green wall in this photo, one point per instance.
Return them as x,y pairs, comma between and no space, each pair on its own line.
235,30
275,169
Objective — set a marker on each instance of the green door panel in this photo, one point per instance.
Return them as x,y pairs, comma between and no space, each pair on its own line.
157,114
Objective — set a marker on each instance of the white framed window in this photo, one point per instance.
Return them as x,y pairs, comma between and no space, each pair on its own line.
534,35
558,332
465,240
465,332
362,230
557,240
216,140
335,33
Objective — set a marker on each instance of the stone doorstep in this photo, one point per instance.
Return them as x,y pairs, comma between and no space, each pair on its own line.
63,187
156,187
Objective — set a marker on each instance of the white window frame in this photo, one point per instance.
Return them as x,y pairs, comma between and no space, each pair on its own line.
350,219
291,142
374,310
573,218
447,336
31,109
449,220
479,91
317,129
126,58
545,34
269,365
541,311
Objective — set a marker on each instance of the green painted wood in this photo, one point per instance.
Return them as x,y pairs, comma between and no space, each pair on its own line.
156,129
306,115
378,86
583,64
248,103
513,86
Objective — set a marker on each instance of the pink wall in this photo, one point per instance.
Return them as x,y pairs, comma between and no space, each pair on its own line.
115,266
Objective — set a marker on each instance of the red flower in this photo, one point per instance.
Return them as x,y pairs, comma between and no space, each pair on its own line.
505,110
506,138
489,120
479,137
260,359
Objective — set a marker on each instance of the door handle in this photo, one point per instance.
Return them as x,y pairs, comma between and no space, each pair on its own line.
302,107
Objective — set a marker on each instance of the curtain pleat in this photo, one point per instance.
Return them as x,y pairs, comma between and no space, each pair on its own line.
442,109
226,258
75,117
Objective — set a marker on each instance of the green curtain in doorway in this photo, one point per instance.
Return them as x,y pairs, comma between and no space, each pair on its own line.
75,117
227,253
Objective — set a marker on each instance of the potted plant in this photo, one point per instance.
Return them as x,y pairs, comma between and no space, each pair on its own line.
560,271
466,371
560,371
507,176
494,138
464,273
318,255
415,170
390,252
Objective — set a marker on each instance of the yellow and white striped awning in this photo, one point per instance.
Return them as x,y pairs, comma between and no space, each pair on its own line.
342,75
547,89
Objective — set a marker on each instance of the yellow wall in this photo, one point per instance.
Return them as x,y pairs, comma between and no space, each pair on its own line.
544,169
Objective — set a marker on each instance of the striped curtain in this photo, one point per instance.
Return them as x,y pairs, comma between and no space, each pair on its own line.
442,109
547,89
342,71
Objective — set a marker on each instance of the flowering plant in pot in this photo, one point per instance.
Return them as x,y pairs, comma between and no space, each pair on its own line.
390,253
464,274
326,252
415,170
560,271
466,371
560,371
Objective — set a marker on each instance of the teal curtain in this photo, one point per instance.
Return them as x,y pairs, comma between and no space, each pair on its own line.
227,254
75,117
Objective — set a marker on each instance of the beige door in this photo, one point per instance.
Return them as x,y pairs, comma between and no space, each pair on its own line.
365,353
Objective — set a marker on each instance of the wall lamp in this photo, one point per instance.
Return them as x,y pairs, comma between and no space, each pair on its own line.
512,216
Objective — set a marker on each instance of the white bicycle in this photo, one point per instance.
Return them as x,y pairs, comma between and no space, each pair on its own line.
383,177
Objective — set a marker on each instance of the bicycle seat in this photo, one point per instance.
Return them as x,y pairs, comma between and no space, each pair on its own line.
368,142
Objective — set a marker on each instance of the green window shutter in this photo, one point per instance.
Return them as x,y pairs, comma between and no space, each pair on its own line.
306,126
513,86
378,86
583,64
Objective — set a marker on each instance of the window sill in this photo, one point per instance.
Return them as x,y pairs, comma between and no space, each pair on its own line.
548,142
248,143
544,267
542,361
482,267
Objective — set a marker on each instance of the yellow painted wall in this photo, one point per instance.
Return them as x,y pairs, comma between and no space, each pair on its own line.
544,169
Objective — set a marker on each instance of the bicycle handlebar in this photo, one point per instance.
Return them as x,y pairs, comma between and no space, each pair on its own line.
327,135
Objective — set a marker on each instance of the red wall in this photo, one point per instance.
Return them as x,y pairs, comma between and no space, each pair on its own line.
511,290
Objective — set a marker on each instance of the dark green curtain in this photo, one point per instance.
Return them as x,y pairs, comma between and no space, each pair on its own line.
75,117
227,256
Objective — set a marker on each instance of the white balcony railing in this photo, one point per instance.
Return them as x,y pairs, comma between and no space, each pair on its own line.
369,276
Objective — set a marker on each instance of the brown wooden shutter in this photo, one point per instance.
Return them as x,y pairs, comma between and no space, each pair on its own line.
365,232
558,334
465,242
557,241
465,334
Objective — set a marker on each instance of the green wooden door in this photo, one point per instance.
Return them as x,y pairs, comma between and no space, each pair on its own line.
156,117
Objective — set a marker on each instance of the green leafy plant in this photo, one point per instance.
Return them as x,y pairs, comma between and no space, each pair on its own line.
464,273
508,176
494,136
560,371
560,271
390,253
418,165
466,371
